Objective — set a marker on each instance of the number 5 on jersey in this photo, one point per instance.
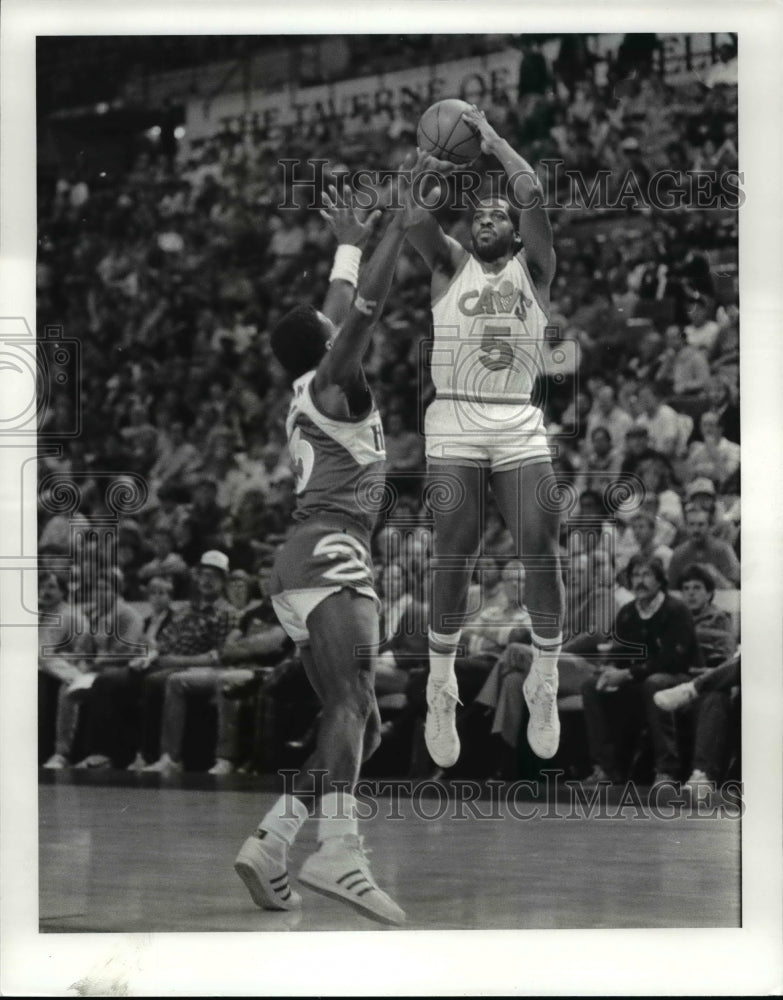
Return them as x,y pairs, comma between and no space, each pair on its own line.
498,352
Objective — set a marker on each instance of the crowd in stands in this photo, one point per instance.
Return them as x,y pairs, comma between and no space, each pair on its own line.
170,277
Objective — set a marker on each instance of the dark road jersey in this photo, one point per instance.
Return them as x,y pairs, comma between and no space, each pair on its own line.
338,464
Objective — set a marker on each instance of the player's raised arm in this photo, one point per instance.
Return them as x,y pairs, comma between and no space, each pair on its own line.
342,365
441,253
352,227
534,226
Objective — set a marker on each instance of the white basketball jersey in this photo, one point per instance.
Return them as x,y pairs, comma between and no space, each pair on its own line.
488,333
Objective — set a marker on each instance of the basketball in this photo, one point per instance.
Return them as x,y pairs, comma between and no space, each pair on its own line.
443,133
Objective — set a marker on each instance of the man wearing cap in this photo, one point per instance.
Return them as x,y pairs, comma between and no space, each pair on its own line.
189,663
701,547
724,520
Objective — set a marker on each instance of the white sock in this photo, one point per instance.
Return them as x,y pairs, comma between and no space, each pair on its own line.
443,653
546,653
285,818
337,816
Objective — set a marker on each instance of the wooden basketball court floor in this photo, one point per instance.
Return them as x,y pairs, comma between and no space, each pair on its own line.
156,855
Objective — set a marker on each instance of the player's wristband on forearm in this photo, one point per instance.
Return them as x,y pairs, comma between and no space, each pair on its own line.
346,264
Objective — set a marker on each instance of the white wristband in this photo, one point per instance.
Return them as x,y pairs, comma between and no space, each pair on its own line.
346,264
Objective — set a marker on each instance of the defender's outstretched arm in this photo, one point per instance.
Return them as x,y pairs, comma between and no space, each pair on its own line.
352,228
342,365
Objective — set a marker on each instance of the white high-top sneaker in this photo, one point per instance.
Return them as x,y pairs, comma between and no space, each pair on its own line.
340,869
262,864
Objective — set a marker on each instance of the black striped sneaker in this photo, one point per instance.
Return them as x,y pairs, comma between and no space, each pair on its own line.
340,869
261,864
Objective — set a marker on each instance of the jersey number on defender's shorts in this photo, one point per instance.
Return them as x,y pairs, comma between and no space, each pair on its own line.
302,459
499,353
350,558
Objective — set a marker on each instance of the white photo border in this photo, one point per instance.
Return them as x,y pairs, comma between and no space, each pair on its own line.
621,962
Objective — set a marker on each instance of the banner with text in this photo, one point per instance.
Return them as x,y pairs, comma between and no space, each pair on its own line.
473,80
476,79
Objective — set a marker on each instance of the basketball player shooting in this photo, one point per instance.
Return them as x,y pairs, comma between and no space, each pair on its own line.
322,582
489,311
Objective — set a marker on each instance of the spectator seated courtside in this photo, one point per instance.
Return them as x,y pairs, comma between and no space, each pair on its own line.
712,711
654,647
189,663
65,649
118,630
248,658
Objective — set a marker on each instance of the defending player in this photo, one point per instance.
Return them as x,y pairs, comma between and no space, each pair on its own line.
489,311
322,584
